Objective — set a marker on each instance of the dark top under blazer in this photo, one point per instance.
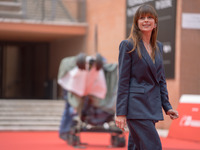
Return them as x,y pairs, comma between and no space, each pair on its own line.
142,91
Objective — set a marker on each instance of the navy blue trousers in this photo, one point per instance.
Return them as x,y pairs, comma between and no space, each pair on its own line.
143,135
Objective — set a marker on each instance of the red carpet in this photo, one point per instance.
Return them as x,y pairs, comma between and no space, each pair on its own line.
96,141
176,144
51,141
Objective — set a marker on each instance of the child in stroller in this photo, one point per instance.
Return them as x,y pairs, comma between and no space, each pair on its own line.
89,112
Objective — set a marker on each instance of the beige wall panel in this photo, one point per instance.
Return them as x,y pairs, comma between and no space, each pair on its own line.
190,65
110,19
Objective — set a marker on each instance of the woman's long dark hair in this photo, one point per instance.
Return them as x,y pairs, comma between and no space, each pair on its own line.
136,34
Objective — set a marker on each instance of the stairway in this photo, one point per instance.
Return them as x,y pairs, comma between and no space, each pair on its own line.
30,115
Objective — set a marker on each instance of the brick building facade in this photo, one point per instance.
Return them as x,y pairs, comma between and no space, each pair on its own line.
102,31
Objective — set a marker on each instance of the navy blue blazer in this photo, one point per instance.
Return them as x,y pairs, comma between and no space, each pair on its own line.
142,90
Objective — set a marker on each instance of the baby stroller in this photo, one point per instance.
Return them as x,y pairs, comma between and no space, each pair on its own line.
91,109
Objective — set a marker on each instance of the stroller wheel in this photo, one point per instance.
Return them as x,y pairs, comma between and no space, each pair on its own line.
118,141
73,140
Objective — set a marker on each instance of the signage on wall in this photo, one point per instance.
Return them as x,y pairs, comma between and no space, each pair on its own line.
166,10
187,126
191,20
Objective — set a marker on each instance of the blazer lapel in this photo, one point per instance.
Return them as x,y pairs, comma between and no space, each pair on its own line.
148,59
157,60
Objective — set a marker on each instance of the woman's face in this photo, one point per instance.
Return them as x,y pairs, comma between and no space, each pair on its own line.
146,23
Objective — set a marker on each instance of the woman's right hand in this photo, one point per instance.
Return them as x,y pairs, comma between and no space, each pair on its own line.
120,122
173,114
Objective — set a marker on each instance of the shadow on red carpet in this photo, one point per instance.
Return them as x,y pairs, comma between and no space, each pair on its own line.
95,141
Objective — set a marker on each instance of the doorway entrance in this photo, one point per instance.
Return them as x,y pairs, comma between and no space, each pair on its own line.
24,70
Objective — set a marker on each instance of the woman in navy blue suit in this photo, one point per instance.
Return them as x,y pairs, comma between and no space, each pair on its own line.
142,90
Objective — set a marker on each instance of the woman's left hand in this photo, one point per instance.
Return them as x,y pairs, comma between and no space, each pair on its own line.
173,114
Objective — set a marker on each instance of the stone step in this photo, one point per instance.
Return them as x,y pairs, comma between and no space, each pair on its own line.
29,128
31,101
37,118
8,14
10,6
8,0
29,123
47,109
25,113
